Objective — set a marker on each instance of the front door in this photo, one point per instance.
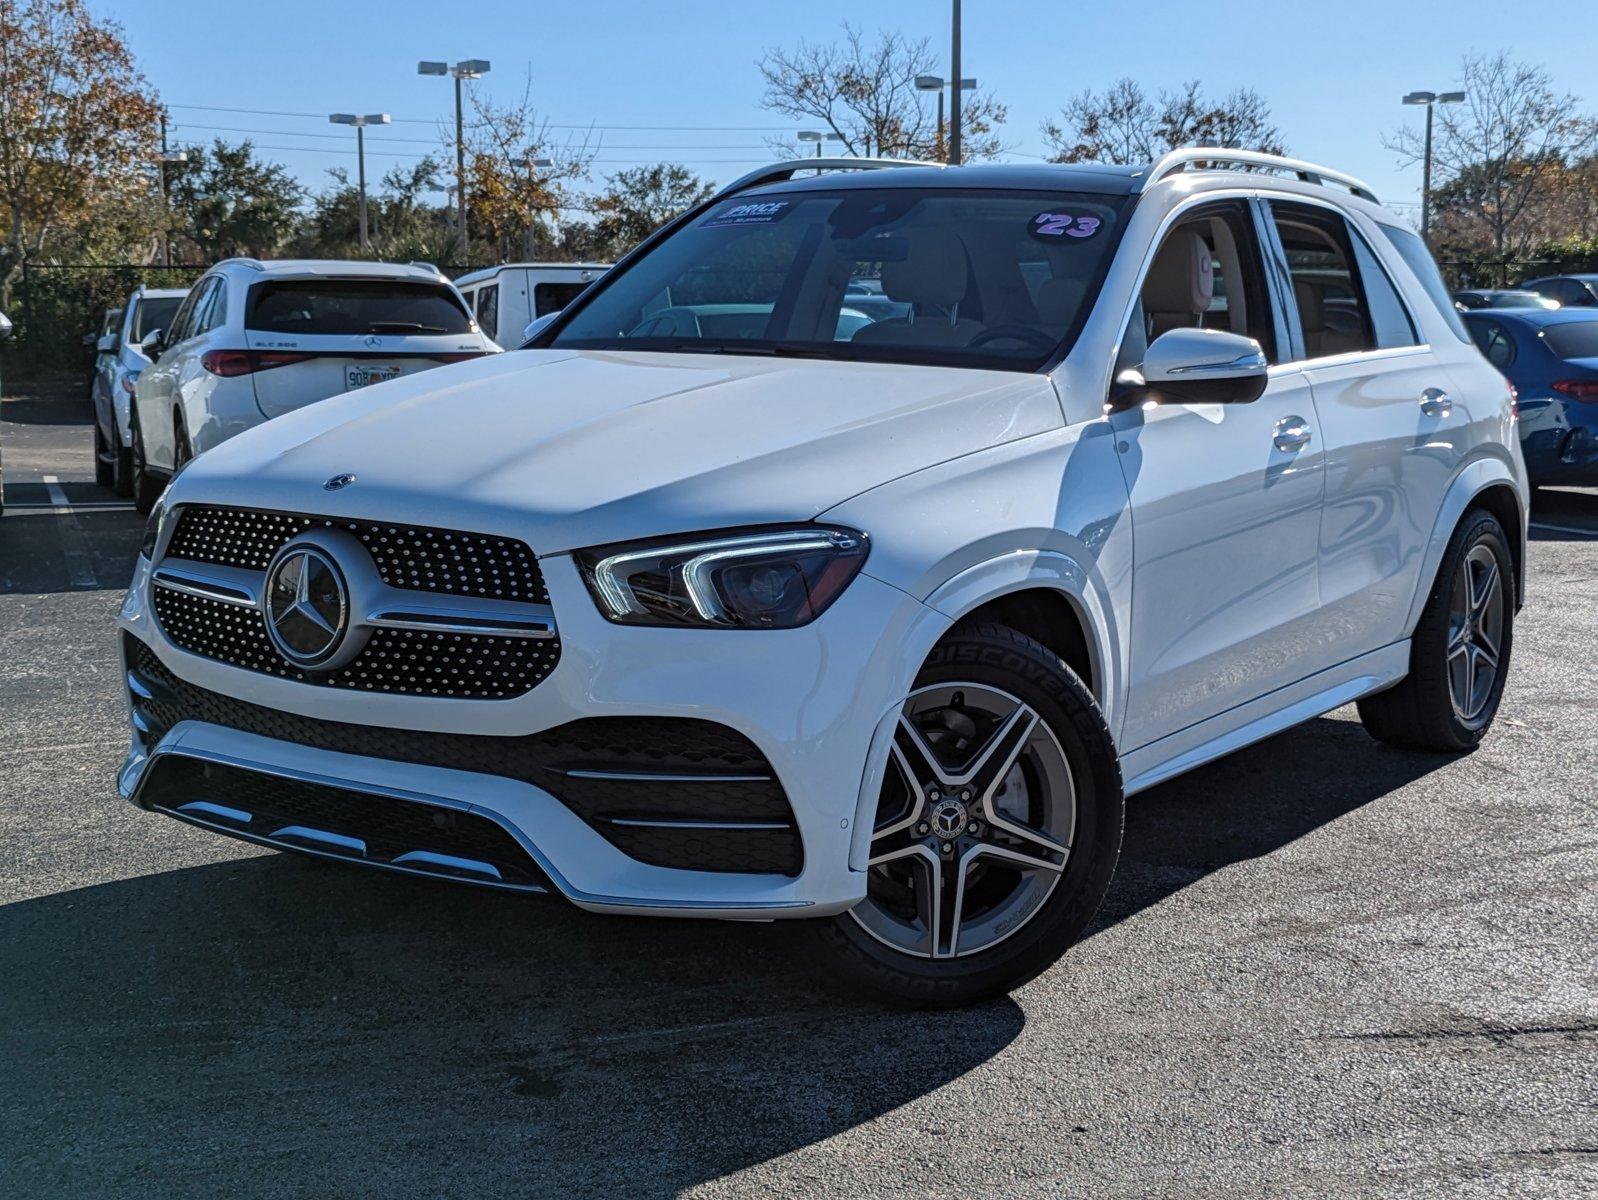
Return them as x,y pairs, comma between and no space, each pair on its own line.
1225,499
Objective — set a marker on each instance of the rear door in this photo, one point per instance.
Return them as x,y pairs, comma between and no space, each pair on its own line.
316,337
1394,426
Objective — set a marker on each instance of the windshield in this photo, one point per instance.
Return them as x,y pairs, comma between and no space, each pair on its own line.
152,313
961,278
1573,339
355,306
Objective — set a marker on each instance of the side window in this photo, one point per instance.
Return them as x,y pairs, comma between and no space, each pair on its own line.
185,315
1419,260
1207,274
1389,319
216,315
1493,340
488,308
1332,312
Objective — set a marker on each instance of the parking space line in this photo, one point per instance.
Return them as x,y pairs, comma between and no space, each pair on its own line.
1564,529
74,547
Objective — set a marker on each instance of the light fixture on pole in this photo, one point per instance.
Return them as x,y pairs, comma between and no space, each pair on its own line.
470,68
534,165
360,123
1429,101
816,136
936,83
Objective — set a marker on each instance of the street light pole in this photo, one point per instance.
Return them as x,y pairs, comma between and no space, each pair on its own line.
936,83
471,68
1429,101
360,124
954,92
534,165
817,136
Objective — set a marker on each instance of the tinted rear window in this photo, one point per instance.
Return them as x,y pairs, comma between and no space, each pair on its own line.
1574,339
552,297
355,306
1414,252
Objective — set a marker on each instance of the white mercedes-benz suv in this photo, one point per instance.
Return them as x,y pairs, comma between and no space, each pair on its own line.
254,340
753,614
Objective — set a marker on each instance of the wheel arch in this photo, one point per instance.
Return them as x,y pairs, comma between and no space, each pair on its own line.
1487,483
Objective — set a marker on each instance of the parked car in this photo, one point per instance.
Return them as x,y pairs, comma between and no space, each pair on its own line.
1502,298
119,362
254,340
765,623
1552,359
508,298
110,321
1571,291
5,335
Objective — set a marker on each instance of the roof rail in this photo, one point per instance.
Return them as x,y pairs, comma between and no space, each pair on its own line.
777,172
1216,156
244,261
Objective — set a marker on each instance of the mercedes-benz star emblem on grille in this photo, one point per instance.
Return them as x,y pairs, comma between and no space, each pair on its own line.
307,605
339,481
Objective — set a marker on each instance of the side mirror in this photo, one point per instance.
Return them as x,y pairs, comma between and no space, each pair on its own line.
107,344
151,345
538,325
5,327
1205,366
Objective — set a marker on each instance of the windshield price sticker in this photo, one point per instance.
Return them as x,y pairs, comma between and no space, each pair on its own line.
1054,226
756,212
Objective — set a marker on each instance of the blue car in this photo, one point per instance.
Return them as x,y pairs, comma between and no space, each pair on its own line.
1552,359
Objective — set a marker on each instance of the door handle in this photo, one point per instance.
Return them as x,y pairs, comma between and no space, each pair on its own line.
1292,433
1435,402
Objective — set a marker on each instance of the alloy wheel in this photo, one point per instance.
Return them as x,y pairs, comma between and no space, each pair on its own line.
1475,632
974,827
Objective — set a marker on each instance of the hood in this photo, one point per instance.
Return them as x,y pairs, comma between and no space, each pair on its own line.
577,448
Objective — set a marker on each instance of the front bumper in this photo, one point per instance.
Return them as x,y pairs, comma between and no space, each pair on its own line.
816,702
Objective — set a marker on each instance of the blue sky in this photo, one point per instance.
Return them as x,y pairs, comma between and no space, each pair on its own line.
1333,72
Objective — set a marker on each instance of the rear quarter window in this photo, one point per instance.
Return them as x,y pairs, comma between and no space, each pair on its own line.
355,306
1419,259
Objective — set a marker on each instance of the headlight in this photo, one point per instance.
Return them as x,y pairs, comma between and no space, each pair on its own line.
152,529
761,579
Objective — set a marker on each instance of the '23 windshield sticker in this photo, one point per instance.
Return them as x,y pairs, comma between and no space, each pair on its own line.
1053,226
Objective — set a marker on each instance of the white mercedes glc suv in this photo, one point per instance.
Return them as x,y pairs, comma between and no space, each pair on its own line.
756,614
253,340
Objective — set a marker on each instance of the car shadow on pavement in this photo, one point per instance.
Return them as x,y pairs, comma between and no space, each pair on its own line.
272,1025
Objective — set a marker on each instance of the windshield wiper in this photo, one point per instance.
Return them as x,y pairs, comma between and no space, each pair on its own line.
402,327
753,350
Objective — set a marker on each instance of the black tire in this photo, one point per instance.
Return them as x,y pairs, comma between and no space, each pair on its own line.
1420,713
1000,657
182,448
147,487
122,471
104,460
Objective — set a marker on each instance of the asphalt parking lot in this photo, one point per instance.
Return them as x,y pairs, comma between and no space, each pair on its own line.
1327,968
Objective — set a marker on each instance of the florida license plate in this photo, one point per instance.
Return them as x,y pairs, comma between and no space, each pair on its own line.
365,376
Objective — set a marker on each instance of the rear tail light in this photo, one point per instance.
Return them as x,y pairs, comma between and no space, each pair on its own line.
229,363
1579,389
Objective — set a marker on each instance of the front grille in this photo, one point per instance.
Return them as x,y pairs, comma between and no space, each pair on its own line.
413,557
389,829
730,780
414,662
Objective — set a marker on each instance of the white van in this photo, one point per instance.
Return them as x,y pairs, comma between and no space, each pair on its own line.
507,298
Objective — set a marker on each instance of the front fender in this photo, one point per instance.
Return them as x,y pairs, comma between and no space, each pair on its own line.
1474,478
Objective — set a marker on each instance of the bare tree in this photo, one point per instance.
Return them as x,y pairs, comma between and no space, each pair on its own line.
77,123
1498,157
864,93
1123,124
